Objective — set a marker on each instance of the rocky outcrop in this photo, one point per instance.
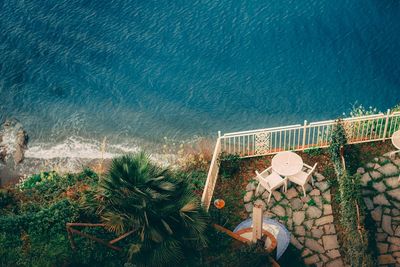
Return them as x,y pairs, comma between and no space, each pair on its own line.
13,142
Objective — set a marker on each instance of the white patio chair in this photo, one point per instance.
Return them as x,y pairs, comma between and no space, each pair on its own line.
303,177
271,181
396,143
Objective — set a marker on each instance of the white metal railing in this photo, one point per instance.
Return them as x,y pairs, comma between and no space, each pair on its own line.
314,135
296,138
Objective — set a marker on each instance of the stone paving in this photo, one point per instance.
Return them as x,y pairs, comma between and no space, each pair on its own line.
309,219
381,193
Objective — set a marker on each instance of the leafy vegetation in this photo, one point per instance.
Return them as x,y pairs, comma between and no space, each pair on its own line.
158,204
338,141
229,165
138,196
355,238
314,151
33,218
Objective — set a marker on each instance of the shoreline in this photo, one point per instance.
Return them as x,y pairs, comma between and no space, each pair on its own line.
74,154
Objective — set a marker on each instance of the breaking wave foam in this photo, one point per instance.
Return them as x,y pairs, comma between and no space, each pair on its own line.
76,147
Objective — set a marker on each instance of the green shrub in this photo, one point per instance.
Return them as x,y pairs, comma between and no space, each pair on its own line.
338,140
195,178
355,237
352,219
313,152
229,165
6,199
33,219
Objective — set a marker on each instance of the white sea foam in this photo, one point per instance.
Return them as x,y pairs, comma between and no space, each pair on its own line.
79,148
73,147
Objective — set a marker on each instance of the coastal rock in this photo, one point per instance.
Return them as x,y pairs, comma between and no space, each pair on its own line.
13,142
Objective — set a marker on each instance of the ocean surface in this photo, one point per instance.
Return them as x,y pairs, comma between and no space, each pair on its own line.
138,71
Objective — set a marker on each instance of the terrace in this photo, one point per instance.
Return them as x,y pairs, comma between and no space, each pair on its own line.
314,220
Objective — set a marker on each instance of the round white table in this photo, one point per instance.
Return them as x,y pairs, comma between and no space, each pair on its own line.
396,139
287,163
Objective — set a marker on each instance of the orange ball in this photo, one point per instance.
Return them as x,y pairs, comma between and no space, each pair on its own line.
219,203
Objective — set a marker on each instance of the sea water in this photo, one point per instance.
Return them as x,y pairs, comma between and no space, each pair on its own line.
74,71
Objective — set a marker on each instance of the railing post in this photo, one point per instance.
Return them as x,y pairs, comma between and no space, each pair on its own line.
386,125
304,133
219,134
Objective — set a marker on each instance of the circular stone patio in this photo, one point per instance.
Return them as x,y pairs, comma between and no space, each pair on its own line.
309,219
381,193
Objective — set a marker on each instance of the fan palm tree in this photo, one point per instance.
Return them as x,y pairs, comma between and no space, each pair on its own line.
139,196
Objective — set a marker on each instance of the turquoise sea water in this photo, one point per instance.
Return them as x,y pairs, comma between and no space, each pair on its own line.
149,69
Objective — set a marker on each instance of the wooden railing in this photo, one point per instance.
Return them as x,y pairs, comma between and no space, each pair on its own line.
211,177
298,137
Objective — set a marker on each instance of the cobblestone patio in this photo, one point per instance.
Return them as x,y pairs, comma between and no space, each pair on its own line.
381,195
309,219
